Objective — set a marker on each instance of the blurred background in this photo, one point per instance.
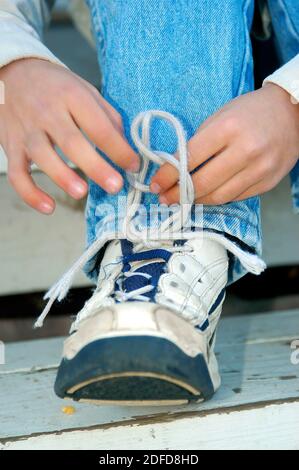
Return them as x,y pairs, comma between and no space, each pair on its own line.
35,250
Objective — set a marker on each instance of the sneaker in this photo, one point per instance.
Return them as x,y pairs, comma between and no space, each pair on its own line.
147,334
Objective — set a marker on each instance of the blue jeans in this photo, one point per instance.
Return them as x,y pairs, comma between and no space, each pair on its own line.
187,57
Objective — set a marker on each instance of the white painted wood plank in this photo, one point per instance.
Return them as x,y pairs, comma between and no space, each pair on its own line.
27,356
35,249
32,407
253,372
249,329
274,427
280,226
258,328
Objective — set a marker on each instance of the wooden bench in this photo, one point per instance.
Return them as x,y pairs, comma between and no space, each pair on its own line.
257,406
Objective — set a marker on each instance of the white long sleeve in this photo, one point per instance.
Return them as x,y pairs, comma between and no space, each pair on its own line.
287,77
21,27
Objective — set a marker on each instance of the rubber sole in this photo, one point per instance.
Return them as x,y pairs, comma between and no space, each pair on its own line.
134,370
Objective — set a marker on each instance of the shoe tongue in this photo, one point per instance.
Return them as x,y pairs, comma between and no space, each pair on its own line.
145,267
114,252
150,262
154,269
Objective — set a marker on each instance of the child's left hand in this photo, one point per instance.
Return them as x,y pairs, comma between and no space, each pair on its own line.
255,142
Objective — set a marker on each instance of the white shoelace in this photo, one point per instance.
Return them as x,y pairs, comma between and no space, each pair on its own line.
171,228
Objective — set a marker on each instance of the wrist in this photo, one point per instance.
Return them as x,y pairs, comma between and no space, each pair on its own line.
283,98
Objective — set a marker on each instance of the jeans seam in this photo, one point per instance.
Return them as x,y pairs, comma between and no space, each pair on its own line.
247,41
288,19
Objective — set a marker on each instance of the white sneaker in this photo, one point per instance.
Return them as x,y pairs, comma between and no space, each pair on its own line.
147,334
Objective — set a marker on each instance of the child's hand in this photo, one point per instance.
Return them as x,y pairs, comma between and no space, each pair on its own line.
46,104
255,141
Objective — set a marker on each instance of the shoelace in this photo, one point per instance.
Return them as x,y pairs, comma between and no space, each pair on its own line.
140,282
170,229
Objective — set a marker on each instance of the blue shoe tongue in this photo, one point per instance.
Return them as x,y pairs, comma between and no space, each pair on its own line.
126,247
154,269
136,282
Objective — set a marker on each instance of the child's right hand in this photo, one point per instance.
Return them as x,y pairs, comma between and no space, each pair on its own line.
47,105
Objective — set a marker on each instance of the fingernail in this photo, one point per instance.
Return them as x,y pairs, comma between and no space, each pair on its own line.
46,208
113,184
163,200
134,166
78,189
155,188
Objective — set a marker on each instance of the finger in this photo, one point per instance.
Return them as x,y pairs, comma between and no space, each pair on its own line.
76,147
114,116
230,190
41,152
208,141
211,176
93,120
256,190
257,178
23,184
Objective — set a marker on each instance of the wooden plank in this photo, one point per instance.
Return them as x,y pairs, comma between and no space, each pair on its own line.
36,249
273,427
258,328
32,406
232,331
29,356
280,226
254,372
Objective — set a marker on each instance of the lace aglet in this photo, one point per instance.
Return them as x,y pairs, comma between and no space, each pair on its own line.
38,324
40,321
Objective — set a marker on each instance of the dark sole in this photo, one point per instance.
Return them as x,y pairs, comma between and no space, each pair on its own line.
134,370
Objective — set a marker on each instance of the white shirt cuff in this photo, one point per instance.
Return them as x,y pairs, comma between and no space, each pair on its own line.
287,77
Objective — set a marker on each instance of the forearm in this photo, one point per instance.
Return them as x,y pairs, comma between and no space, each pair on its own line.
21,28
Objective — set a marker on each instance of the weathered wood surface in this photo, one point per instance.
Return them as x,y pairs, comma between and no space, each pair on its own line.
271,427
256,407
36,249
